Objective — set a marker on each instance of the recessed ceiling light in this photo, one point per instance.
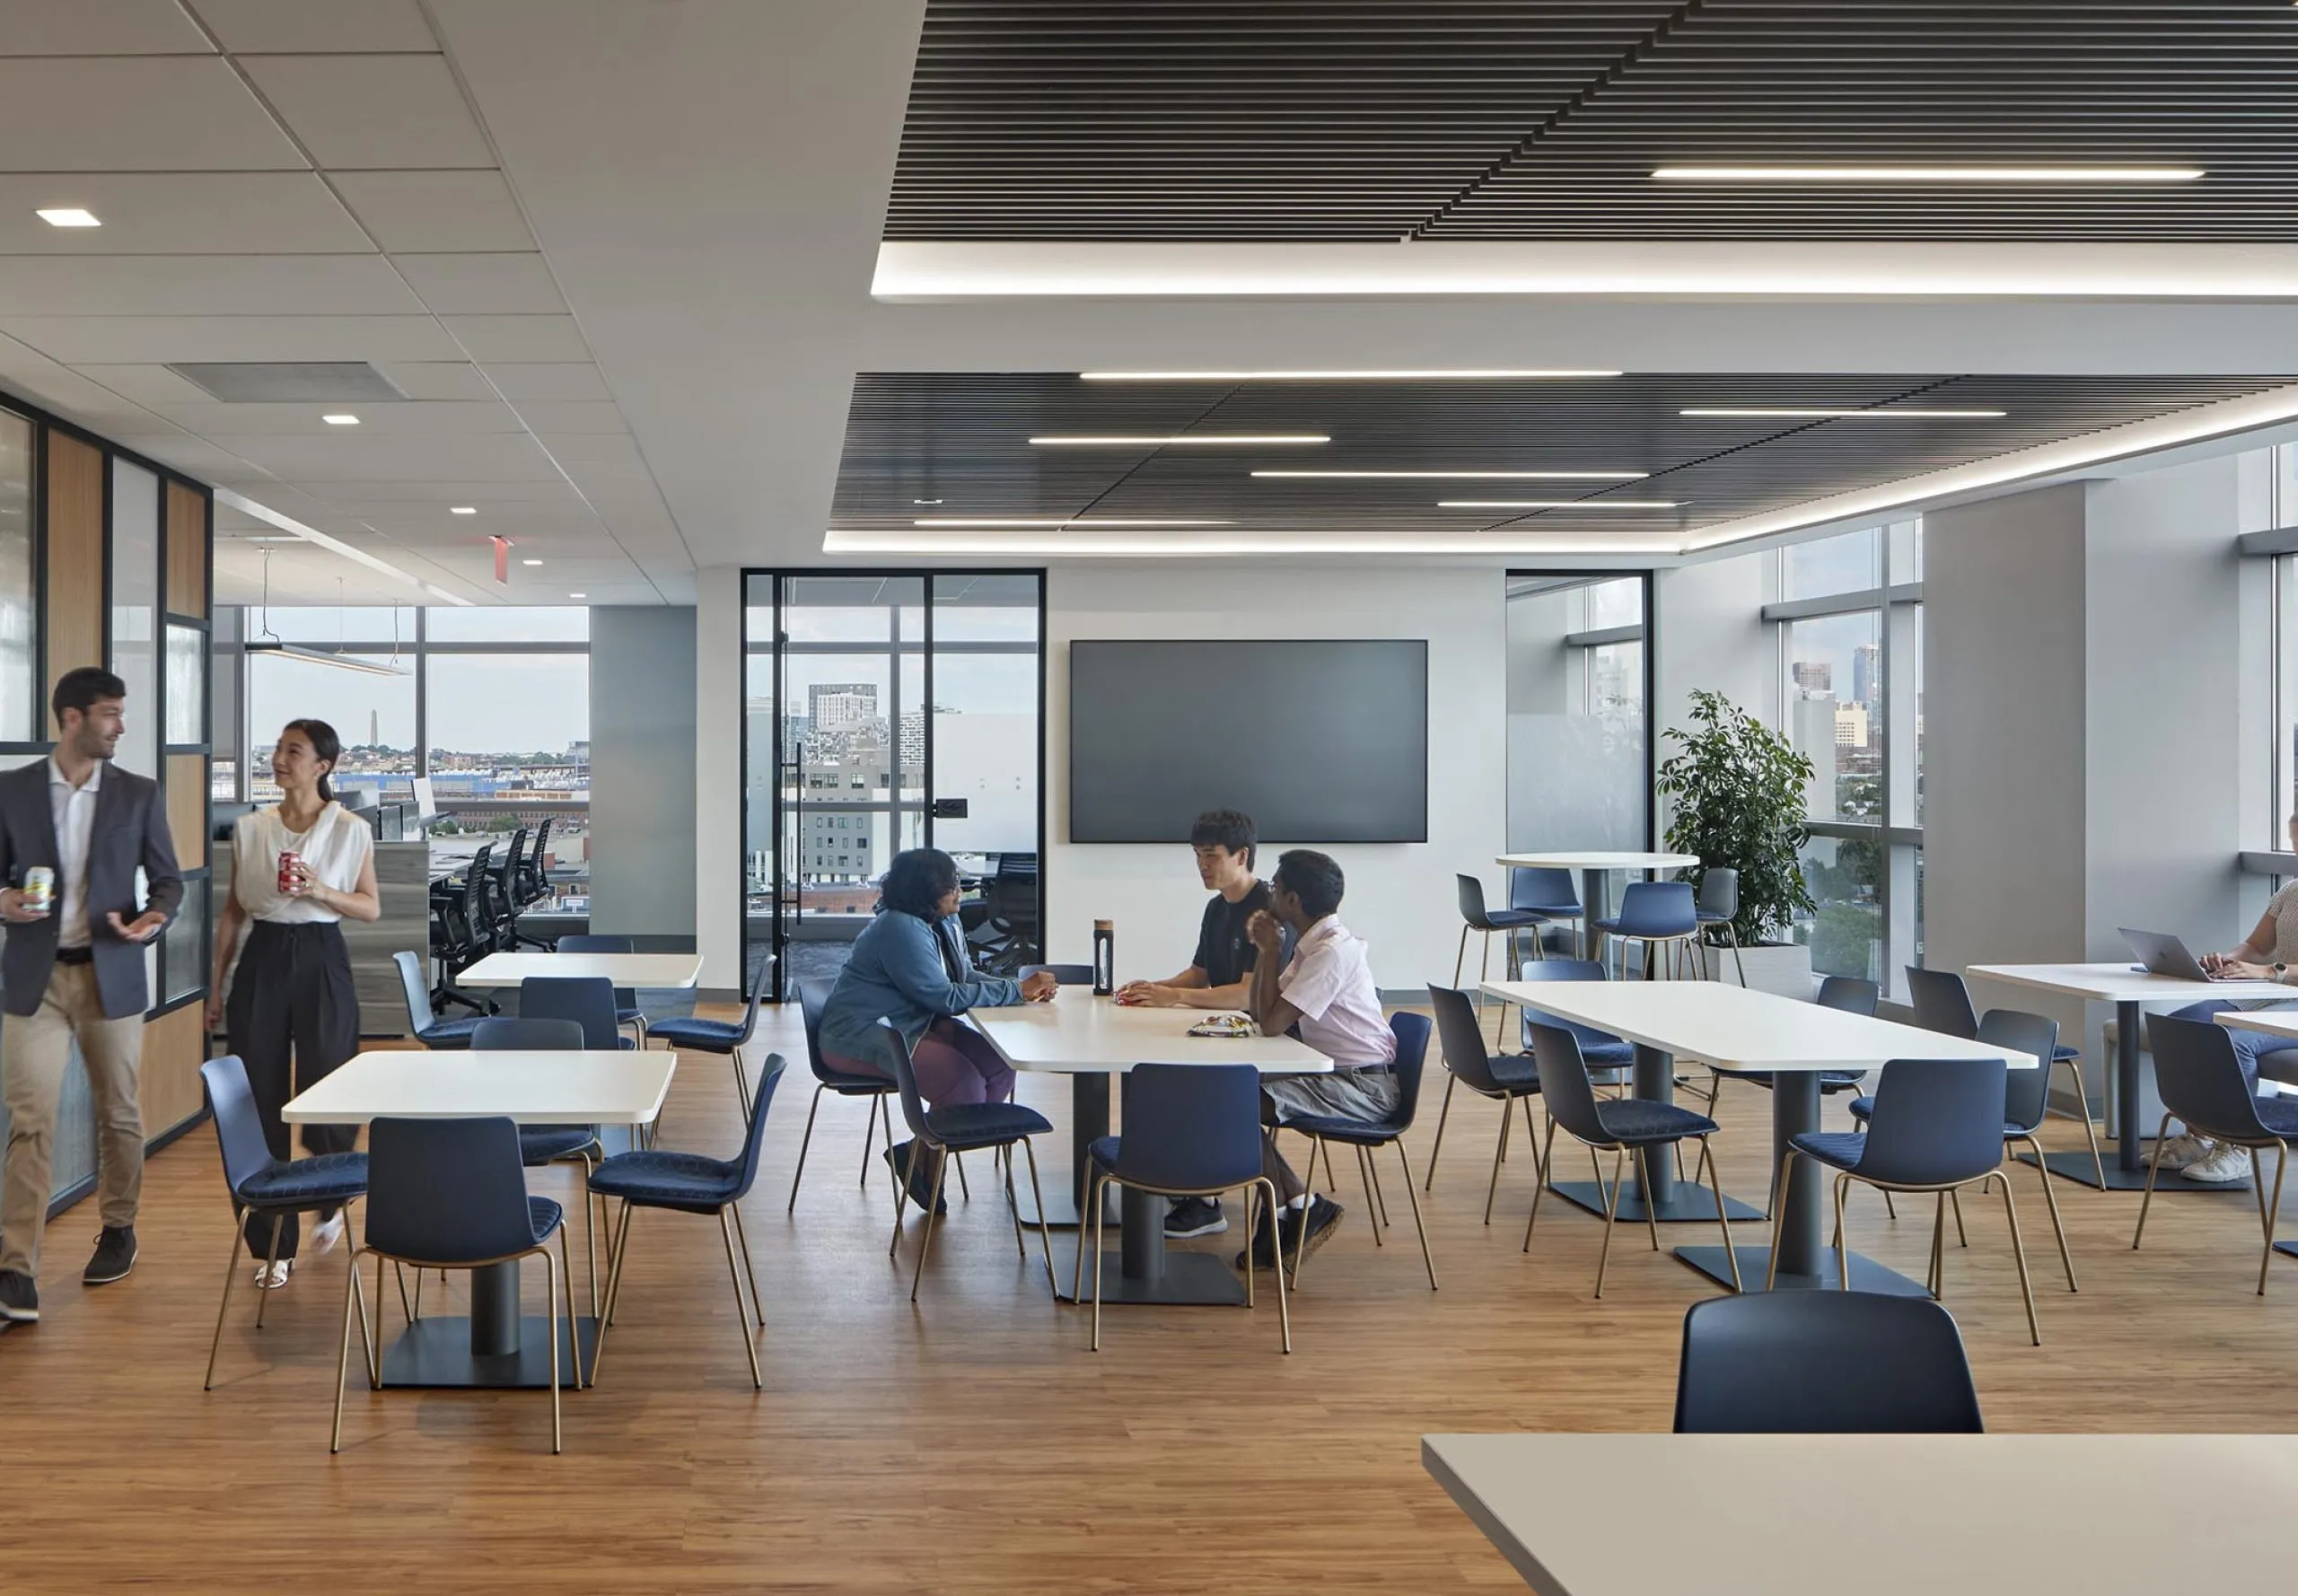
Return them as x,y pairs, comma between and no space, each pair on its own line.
1162,440
1557,504
578,595
340,420
925,501
462,508
1420,374
68,216
1460,475
1928,174
1803,413
530,562
963,521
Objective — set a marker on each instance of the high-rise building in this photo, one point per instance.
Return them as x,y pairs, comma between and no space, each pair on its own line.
1866,677
1812,678
841,706
1851,726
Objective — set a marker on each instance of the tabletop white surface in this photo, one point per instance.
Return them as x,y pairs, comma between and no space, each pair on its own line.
624,969
1761,1514
1078,1033
1600,860
564,1087
2274,1022
2121,981
1733,1028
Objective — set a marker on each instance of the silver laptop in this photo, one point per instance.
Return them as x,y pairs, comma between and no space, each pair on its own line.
2161,953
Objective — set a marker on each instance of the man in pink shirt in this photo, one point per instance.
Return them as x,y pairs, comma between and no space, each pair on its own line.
1325,995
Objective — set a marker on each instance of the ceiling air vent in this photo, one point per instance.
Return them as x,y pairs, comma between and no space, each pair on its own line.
290,381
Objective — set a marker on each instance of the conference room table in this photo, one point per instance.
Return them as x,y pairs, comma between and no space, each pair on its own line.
1090,1040
495,1346
1595,867
2129,988
1733,1030
660,970
1882,1515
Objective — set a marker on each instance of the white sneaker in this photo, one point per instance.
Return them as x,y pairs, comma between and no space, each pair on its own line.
272,1277
325,1234
2226,1163
2179,1151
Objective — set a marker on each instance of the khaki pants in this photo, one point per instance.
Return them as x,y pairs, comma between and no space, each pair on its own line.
33,1049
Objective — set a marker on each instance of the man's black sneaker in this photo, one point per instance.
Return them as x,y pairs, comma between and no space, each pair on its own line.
19,1298
920,1180
1322,1216
1195,1216
1266,1238
115,1255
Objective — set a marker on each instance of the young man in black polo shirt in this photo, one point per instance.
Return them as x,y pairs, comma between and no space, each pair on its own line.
1220,973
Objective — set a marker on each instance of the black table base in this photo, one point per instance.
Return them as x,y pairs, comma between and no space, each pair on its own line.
1187,1279
2077,1167
1687,1204
1867,1274
436,1354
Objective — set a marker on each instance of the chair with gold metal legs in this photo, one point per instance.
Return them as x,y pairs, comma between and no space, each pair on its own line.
450,1194
1621,1127
1610,1057
1660,914
1368,1137
1508,1079
263,1185
1942,1002
2200,1077
540,1145
692,1183
1937,1127
812,995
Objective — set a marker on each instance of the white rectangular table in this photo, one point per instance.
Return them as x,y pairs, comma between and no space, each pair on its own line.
495,1346
1090,1038
2129,988
624,969
1734,1029
1595,866
1763,1515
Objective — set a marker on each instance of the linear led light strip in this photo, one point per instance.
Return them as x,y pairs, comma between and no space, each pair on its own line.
1458,476
270,517
1558,504
1812,413
993,522
1419,542
1431,374
1928,174
1162,440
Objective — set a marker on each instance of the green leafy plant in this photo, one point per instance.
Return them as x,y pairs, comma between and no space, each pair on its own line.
1739,792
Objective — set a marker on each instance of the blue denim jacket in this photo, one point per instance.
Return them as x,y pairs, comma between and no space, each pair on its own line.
897,973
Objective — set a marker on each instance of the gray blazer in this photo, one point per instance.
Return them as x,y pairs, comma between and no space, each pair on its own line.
130,828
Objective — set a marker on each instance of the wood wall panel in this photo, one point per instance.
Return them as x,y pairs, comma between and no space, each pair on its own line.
175,1045
187,577
74,557
188,808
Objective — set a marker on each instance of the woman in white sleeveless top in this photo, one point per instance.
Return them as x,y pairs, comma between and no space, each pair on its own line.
292,1015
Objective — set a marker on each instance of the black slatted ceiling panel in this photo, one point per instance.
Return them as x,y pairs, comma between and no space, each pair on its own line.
962,439
1348,120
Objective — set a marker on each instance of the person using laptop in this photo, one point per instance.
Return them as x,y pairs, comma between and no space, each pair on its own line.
2270,953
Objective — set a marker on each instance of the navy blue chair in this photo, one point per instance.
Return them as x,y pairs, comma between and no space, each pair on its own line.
1823,1362
1937,1125
2201,1079
449,1194
1610,1057
961,1127
1191,1130
542,1144
1942,1002
627,1011
720,1036
1546,892
1657,914
1367,1136
1476,917
1718,905
1849,994
263,1185
587,1000
423,1021
1505,1079
1621,1127
813,997
692,1183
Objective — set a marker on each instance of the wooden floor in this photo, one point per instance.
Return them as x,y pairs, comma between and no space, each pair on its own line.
973,1443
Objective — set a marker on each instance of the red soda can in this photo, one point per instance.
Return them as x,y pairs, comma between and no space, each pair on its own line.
288,858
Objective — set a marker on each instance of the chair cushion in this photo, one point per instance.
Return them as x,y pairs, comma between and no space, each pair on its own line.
685,1031
2064,1054
448,1035
1104,1151
658,1179
1863,1108
547,1143
1348,1133
1510,919
1635,1120
1516,1071
1838,1148
965,1125
329,1179
1829,1080
1601,1053
1711,916
852,1085
544,1216
1568,911
628,1016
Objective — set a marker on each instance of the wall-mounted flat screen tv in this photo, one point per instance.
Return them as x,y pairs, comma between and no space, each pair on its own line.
1320,741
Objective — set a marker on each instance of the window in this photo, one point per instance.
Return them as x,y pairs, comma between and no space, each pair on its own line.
372,715
1578,775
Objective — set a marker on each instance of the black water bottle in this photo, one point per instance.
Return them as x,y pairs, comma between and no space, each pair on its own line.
1104,958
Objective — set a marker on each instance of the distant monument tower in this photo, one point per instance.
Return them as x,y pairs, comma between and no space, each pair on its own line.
374,728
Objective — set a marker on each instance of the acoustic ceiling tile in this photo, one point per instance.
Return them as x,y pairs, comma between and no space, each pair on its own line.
384,113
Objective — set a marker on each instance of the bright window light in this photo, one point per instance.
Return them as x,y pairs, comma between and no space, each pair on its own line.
1928,174
340,420
462,508
1429,374
68,216
980,521
1809,413
1458,476
1557,504
1162,440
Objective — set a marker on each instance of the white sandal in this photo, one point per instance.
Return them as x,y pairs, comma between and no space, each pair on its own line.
272,1277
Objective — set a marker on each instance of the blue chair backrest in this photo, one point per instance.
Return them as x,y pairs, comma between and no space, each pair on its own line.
1411,1032
446,1191
2200,1077
1657,908
1463,1038
1191,1127
416,987
1564,1086
1565,970
1540,886
1823,1362
813,998
759,984
913,1101
1851,995
759,1102
1937,1121
1068,975
1719,890
526,1034
2026,1093
1471,893
624,996
1942,1003
587,1000
238,1127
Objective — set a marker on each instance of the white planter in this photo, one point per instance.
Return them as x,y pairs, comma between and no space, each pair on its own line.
1780,968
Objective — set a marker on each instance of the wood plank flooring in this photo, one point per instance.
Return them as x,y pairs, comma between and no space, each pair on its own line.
973,1444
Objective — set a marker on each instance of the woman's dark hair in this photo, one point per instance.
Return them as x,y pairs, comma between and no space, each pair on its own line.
917,880
1315,879
325,745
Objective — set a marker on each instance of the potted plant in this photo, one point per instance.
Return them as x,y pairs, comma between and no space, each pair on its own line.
1739,794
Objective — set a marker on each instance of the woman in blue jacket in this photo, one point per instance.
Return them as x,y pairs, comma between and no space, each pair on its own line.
909,966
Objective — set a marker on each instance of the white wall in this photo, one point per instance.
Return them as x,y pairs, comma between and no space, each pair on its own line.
1712,635
1400,896
642,701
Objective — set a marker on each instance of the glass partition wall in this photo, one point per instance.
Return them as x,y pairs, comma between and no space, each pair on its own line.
885,711
1579,725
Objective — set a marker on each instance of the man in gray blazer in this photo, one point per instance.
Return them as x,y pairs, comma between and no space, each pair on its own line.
73,969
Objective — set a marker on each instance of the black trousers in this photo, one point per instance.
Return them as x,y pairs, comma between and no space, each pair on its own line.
292,1018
